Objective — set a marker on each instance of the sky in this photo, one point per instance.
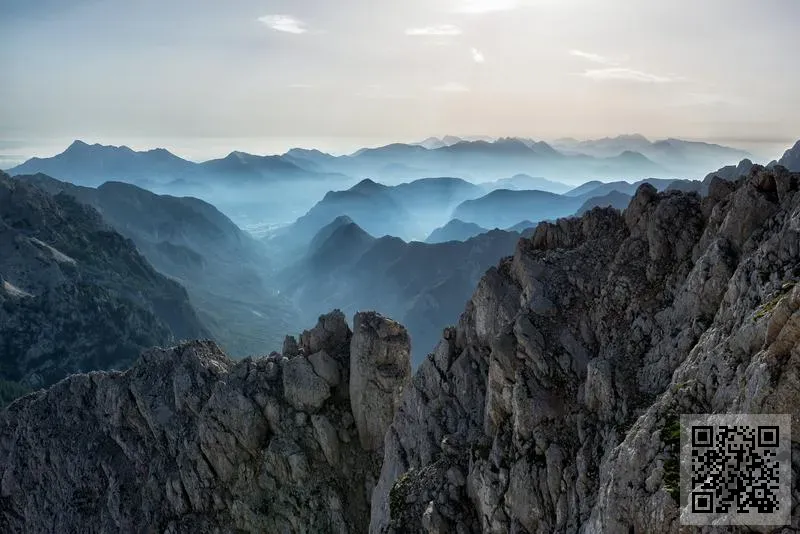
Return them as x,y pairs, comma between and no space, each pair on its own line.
204,77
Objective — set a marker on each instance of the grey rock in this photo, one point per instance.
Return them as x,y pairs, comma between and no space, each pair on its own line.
303,388
188,441
380,369
555,414
290,348
326,367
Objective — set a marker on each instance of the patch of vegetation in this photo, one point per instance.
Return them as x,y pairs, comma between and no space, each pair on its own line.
11,391
397,495
679,386
671,436
768,307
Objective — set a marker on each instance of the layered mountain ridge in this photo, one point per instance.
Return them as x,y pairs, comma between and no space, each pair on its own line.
423,285
224,269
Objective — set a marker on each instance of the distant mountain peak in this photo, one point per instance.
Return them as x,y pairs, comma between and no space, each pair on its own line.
341,220
300,152
77,144
633,137
367,184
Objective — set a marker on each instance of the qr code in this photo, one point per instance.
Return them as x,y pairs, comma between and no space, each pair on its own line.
735,469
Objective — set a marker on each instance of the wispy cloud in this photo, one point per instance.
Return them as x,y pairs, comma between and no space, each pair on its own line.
452,87
631,75
477,56
615,71
284,23
478,7
441,30
378,91
595,58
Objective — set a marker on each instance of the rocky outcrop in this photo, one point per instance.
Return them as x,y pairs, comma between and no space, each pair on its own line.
731,173
791,158
380,366
548,408
188,441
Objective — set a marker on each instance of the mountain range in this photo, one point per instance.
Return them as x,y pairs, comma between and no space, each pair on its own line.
408,210
487,160
477,159
242,185
262,192
225,270
685,158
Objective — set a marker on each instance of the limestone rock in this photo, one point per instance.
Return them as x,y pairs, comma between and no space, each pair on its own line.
189,441
304,389
573,357
380,368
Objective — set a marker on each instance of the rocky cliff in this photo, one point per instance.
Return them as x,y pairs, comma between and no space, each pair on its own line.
187,441
550,407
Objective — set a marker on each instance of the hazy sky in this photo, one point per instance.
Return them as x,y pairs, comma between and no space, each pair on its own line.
341,73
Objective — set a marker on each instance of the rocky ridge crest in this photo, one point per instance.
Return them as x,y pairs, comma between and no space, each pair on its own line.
549,407
189,441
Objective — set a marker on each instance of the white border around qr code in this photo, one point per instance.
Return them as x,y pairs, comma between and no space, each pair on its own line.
709,496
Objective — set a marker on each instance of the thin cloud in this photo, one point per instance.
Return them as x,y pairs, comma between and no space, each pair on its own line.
625,74
378,91
284,23
477,56
441,30
452,87
595,58
477,7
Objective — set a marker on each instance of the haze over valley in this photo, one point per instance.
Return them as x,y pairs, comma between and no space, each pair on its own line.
271,242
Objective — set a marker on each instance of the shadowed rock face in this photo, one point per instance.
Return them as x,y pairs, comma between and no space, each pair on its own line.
76,295
189,441
545,410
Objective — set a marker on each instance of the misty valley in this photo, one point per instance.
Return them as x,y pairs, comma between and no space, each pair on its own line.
412,250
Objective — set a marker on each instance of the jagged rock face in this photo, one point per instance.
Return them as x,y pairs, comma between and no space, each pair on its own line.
187,441
544,410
